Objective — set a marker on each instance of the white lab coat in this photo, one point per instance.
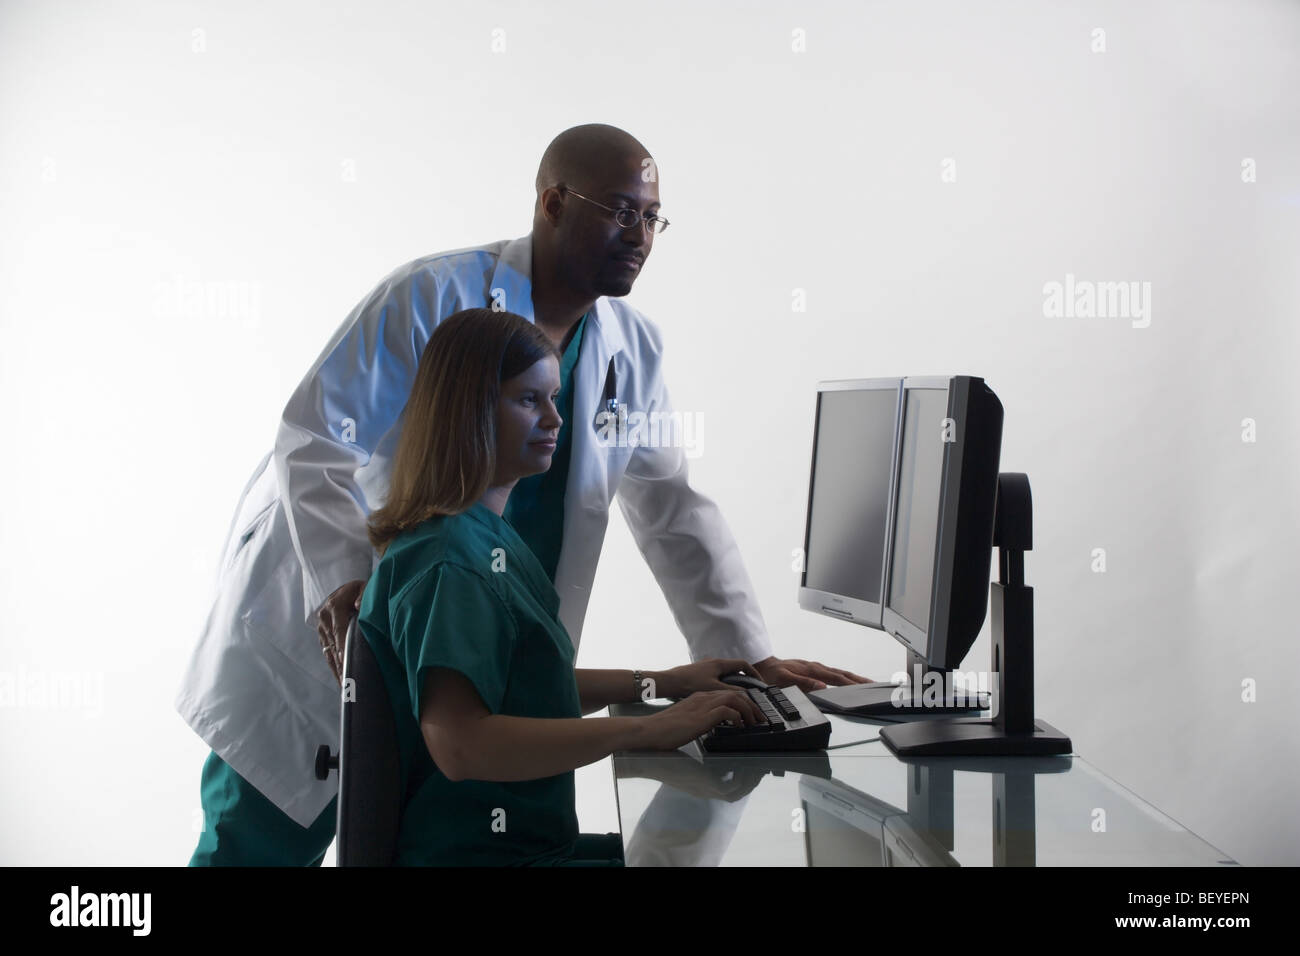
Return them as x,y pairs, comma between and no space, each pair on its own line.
258,690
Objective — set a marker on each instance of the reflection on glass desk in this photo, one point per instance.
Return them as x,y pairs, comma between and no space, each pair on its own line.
859,805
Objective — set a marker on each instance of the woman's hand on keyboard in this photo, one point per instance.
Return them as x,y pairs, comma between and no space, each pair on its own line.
698,714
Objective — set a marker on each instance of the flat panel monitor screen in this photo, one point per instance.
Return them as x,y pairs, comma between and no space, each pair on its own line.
848,507
920,487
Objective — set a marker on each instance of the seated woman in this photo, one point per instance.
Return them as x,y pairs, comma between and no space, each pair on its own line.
463,620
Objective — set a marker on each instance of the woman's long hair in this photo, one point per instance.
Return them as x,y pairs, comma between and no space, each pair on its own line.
447,451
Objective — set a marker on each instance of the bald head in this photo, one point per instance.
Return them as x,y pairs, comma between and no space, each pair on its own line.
585,155
580,249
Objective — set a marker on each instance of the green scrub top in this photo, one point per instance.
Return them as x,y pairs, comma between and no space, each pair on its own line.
535,507
464,592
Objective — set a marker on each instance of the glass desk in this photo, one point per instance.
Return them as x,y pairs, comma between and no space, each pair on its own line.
856,804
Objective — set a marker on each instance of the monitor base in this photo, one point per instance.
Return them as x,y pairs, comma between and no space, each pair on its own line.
970,738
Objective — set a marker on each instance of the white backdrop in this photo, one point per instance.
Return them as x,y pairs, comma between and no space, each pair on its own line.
194,195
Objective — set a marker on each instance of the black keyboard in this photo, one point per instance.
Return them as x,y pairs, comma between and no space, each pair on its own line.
793,723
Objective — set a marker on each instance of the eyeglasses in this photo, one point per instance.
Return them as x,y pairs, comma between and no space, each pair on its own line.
626,217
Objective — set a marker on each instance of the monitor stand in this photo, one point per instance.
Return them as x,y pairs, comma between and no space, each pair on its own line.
929,693
1012,731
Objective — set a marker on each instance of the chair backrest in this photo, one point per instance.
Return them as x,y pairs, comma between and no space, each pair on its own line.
370,776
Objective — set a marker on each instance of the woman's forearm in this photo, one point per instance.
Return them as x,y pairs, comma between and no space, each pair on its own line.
502,748
600,688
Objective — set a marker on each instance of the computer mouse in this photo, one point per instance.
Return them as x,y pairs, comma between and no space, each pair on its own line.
743,680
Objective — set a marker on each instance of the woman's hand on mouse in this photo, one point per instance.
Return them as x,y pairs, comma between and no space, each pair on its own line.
701,712
702,675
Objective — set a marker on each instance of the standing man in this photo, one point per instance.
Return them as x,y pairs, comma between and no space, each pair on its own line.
259,690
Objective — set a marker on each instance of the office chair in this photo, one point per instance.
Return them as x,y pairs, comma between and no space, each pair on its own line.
370,777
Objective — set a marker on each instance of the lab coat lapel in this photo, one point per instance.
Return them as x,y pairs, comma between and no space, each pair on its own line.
589,482
594,470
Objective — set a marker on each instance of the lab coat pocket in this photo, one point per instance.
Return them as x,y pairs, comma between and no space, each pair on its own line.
246,535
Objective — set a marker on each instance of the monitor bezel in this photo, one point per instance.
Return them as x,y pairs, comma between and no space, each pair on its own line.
930,641
839,606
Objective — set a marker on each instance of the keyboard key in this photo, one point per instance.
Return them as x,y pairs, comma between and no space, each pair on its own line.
788,710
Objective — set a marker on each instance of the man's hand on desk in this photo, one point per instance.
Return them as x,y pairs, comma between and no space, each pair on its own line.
806,675
332,623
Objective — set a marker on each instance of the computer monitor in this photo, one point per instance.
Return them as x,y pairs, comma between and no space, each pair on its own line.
846,532
941,520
